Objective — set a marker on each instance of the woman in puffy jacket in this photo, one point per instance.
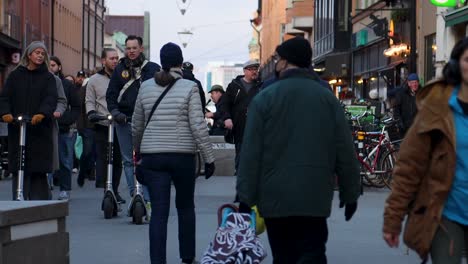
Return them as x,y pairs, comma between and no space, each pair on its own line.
167,145
430,182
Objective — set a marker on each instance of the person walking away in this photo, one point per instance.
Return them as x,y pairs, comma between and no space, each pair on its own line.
60,109
216,93
123,89
167,141
65,137
30,90
287,166
187,72
96,106
85,129
430,176
238,95
405,103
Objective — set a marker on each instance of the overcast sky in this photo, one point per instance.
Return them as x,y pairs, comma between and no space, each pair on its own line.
221,28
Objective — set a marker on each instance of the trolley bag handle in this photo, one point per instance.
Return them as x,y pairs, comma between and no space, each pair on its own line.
159,100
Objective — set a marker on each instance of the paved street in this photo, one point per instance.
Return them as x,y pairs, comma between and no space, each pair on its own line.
117,241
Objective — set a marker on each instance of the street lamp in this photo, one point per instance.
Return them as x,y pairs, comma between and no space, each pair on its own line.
183,5
185,37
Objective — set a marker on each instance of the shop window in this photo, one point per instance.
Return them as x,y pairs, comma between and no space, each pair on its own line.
430,57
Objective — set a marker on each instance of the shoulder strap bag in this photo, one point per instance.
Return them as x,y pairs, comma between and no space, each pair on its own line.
159,101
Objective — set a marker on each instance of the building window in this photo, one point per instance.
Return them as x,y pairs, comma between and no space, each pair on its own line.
430,57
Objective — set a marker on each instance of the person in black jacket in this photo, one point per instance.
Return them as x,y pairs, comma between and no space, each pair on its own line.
217,93
405,103
121,95
66,142
235,102
30,90
187,73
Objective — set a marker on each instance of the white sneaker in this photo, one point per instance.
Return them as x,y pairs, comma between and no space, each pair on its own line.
64,195
148,211
75,170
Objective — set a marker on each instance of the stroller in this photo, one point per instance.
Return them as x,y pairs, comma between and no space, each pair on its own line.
235,241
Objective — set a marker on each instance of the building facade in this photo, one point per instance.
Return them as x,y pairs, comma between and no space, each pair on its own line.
66,43
131,25
452,26
22,21
93,33
332,35
222,74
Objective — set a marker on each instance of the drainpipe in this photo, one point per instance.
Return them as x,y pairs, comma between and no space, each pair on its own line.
82,35
52,34
413,31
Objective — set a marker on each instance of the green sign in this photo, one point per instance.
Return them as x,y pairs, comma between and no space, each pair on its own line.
447,3
356,110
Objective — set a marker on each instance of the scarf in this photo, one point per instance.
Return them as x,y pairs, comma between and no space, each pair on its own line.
133,65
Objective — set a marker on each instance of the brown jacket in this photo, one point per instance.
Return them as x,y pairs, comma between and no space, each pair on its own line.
424,172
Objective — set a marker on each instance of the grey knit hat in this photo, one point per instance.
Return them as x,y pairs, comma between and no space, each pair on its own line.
32,47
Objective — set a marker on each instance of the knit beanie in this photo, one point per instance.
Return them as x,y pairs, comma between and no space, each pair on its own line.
32,47
171,56
296,51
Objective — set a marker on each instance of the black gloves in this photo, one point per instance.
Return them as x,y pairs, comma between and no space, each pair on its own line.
119,117
209,170
350,209
93,116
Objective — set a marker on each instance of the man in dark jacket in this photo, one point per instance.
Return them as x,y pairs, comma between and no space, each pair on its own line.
405,103
217,93
187,71
289,160
121,95
65,141
236,100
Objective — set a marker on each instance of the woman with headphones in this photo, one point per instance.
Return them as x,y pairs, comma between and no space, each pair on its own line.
430,179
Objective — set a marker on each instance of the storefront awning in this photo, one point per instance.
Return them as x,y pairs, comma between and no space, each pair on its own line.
8,42
456,17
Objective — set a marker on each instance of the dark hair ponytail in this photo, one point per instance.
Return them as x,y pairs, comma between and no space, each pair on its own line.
163,77
451,71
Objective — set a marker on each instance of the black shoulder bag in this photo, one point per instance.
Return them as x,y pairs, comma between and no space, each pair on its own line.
159,101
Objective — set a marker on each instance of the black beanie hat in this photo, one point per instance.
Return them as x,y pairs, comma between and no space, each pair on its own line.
171,56
296,51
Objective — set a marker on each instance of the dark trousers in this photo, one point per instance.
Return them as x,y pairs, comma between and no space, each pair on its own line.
238,146
87,159
297,240
158,171
35,186
102,157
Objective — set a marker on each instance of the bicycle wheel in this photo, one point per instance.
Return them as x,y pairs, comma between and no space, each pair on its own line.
387,164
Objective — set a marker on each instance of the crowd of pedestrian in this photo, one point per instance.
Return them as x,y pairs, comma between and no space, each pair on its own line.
287,159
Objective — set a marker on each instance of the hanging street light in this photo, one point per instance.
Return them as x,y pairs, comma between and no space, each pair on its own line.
185,36
183,5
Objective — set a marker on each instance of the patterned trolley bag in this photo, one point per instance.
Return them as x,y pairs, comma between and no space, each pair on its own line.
235,241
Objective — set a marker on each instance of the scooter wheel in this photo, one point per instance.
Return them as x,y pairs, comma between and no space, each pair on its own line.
108,207
138,213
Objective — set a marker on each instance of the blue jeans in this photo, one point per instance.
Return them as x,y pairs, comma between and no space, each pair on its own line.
65,147
124,135
158,171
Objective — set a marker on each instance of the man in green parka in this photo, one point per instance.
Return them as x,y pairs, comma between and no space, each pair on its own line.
296,141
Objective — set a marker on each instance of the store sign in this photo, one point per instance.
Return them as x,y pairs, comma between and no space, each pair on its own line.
447,3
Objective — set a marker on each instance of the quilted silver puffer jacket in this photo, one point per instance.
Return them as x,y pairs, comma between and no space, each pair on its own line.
177,125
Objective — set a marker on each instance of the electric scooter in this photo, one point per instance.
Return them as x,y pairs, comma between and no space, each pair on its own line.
110,205
23,122
136,208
